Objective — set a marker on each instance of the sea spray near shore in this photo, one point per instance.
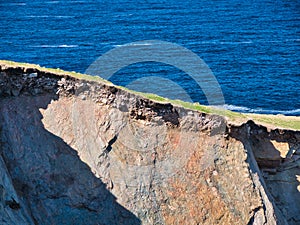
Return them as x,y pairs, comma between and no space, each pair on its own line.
295,112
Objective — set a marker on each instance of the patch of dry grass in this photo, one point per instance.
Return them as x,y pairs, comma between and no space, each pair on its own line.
273,121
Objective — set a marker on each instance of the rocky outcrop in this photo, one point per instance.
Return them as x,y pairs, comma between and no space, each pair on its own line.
277,153
75,151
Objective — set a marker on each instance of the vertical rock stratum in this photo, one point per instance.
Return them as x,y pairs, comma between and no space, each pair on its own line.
77,151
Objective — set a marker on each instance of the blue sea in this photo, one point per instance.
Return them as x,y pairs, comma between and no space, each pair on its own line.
251,47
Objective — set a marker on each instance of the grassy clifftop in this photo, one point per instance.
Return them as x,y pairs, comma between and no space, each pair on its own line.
270,121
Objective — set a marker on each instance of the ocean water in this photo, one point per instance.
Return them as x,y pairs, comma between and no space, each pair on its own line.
252,47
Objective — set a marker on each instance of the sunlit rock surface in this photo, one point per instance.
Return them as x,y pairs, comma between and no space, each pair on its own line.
81,152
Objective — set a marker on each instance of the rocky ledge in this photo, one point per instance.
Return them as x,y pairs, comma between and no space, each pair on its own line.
76,151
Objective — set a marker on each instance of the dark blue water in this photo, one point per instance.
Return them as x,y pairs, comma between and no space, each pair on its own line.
252,47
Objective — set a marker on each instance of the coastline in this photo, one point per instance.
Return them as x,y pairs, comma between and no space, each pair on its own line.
270,121
137,155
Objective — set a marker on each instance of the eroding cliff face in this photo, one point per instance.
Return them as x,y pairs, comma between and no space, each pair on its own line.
81,152
277,153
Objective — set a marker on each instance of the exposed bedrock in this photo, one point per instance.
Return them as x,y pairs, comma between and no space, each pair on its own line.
81,152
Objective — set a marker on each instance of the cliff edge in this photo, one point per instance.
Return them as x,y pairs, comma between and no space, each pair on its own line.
79,150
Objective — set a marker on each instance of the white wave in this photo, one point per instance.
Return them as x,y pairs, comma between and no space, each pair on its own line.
293,40
247,42
286,112
218,42
68,46
63,16
54,46
78,1
235,42
226,42
133,44
52,2
31,16
236,108
46,16
260,111
17,3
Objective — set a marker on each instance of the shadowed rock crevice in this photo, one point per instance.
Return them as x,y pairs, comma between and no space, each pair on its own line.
47,174
278,165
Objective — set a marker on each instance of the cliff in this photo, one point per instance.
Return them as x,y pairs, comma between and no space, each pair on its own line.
79,150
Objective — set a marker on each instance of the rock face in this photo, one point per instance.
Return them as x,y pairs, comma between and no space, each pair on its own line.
80,152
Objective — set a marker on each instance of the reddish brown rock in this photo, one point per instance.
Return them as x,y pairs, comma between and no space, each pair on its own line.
82,152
